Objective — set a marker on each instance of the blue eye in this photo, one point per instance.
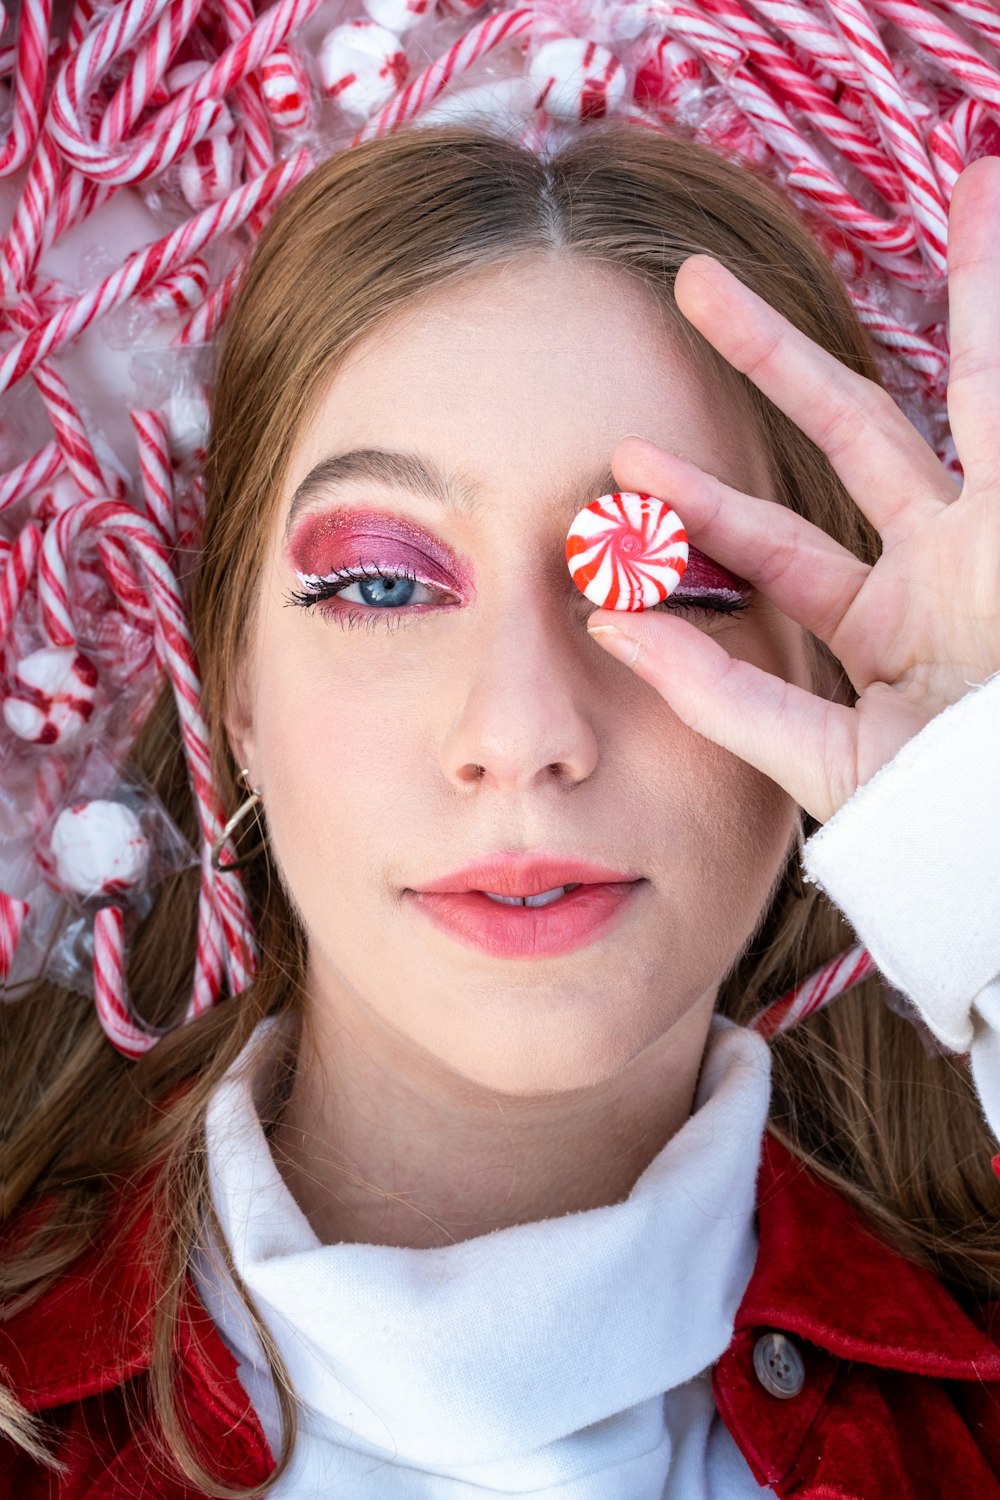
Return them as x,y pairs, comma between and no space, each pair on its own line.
384,591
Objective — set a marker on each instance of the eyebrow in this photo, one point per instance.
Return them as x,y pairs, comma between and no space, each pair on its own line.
409,471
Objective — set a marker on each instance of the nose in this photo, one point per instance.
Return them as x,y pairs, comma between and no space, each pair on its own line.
524,713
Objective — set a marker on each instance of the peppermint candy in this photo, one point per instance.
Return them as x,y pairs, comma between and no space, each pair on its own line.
626,550
52,696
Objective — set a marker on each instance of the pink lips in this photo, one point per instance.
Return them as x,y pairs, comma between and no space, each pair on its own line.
526,875
456,903
576,919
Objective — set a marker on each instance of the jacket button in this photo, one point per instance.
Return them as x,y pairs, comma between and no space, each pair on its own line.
778,1365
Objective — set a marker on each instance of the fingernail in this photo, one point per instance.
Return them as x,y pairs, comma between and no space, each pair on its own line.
612,640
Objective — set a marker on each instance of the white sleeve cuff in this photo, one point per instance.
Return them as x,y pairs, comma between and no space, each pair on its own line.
912,860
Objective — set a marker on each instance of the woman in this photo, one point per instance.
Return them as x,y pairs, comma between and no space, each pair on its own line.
457,1198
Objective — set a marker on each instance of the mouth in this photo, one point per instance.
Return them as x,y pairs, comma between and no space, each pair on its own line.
546,925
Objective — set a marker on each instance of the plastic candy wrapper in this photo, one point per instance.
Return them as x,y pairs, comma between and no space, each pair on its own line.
143,145
107,841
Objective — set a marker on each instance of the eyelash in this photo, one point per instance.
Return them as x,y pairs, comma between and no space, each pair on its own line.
348,618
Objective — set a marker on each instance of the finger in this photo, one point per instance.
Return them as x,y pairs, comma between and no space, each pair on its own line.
805,573
974,320
787,733
892,474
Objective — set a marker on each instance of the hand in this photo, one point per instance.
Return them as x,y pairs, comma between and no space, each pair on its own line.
915,631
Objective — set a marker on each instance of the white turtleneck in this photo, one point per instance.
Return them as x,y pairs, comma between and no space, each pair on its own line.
572,1357
568,1357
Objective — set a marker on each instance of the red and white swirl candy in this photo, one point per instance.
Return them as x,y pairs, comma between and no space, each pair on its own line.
361,65
577,79
284,87
626,550
51,696
99,848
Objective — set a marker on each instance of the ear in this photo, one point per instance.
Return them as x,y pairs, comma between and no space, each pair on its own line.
238,718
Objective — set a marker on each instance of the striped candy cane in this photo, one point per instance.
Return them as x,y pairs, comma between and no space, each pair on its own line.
148,266
425,88
155,147
156,473
811,33
29,84
825,984
224,925
919,353
982,16
792,85
945,46
17,574
13,912
809,171
899,129
31,475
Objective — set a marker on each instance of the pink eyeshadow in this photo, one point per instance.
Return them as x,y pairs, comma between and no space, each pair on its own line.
703,576
338,538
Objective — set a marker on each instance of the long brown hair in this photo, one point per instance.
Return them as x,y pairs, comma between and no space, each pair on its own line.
894,1127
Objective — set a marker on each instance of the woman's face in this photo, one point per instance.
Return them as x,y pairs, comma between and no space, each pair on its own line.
402,729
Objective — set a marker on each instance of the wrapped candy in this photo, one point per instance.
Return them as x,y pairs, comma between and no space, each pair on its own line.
284,88
206,171
361,66
51,696
99,849
577,79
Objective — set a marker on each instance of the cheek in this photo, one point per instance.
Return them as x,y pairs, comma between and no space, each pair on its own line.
331,746
723,825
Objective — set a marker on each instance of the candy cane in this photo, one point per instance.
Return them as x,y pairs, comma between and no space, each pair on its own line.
982,15
823,985
811,34
71,432
204,322
154,148
156,473
947,156
77,195
792,85
113,1010
151,61
31,475
899,129
239,19
945,46
223,908
20,250
426,87
12,914
29,84
18,574
147,266
243,56
809,171
919,353
182,290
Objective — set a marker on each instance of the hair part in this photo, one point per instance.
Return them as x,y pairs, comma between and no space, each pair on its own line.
855,1094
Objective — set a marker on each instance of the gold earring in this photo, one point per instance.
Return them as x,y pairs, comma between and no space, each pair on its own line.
240,813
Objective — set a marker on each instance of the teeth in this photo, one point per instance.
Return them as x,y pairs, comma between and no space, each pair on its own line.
544,898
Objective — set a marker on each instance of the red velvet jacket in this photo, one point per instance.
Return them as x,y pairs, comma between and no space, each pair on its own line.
901,1398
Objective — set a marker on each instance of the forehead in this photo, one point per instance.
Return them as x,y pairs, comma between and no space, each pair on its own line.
521,373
